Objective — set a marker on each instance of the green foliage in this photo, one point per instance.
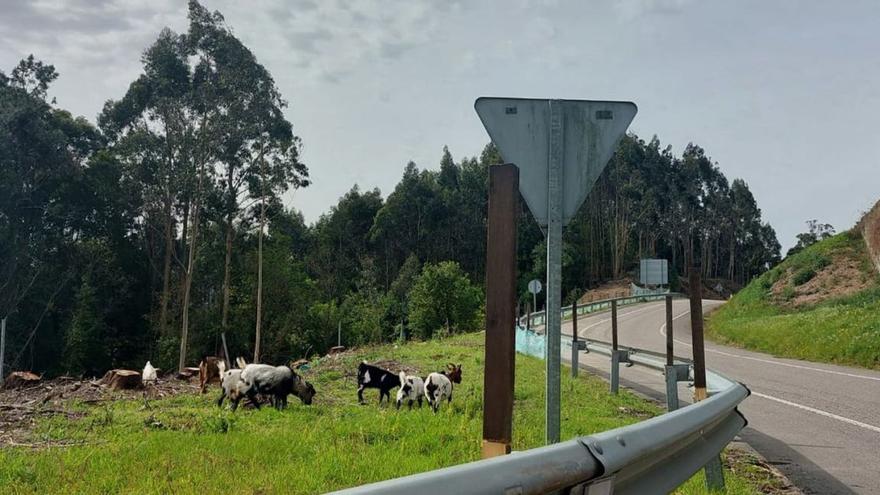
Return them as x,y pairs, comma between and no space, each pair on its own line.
362,319
815,232
443,300
86,347
840,330
185,161
183,444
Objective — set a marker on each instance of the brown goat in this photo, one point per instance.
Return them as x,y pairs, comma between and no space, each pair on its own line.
453,372
210,368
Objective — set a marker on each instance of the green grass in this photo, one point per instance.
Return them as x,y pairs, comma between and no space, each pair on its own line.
843,330
186,444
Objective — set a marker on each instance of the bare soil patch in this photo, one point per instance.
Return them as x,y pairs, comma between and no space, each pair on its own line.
844,276
21,408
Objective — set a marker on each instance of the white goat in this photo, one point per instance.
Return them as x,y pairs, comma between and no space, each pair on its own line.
149,374
233,387
437,387
411,388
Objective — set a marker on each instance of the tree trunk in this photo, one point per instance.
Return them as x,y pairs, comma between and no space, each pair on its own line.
190,266
226,273
166,270
260,256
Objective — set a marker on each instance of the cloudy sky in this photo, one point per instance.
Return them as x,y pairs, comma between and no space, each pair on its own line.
784,94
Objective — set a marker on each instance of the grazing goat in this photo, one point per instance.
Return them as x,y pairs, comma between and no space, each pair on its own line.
370,376
411,388
149,374
277,382
209,368
233,387
439,385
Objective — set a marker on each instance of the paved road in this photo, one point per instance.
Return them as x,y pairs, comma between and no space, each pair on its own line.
818,423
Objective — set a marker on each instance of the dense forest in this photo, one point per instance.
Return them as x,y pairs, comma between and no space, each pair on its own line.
159,231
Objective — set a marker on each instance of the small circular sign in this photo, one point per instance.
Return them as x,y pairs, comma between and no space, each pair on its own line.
535,286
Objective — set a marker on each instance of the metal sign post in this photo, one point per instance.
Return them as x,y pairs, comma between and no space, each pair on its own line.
535,288
561,148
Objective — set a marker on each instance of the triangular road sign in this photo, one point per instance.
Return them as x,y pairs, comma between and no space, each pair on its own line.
520,128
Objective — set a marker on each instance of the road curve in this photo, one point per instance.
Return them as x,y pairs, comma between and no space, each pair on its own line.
818,423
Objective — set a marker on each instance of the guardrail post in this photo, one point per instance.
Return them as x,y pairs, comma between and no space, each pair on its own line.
714,474
575,346
528,316
615,356
615,372
674,373
500,313
713,469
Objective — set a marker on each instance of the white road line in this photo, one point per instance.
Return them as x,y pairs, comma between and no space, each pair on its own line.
768,361
619,317
819,412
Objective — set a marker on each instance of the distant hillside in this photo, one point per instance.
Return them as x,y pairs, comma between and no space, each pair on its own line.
821,304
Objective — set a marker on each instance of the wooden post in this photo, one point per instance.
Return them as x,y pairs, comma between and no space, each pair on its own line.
500,303
574,339
614,325
669,350
696,295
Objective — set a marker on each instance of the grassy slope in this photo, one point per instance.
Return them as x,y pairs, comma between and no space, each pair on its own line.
843,330
187,445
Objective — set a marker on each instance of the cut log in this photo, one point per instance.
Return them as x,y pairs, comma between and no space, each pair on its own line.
187,373
20,379
337,349
299,363
122,379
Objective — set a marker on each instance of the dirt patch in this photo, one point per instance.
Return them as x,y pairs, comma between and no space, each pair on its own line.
741,459
21,408
869,226
843,276
608,290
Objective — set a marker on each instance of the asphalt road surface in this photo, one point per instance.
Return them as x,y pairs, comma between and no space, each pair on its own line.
818,423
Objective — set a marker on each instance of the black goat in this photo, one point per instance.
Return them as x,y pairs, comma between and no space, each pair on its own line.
370,376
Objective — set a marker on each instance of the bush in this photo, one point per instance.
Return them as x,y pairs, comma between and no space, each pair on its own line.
444,299
803,276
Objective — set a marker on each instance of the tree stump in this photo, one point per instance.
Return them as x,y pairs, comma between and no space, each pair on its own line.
20,379
187,373
122,379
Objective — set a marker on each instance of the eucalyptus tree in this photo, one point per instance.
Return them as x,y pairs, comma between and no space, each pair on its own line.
151,130
257,153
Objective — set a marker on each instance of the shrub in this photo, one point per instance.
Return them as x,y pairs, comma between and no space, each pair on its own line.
803,276
443,298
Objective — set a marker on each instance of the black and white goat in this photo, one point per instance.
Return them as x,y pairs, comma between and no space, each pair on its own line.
412,388
276,382
439,385
233,388
370,376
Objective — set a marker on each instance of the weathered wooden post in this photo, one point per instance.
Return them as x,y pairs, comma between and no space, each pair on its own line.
615,353
500,310
713,469
575,345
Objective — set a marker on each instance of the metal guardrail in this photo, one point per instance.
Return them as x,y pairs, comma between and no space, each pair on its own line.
539,318
653,456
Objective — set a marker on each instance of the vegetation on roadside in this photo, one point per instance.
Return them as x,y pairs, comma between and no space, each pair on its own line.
162,221
185,444
820,304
